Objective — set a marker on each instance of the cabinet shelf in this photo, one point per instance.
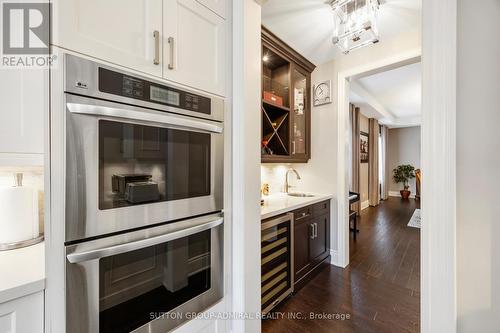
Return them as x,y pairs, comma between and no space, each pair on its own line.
273,105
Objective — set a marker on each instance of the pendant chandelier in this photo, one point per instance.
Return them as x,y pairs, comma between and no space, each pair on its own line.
355,23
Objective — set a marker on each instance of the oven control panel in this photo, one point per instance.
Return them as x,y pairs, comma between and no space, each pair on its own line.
132,87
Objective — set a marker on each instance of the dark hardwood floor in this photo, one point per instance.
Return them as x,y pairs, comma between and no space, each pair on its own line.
379,290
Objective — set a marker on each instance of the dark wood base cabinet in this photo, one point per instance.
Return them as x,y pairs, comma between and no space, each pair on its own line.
311,240
294,246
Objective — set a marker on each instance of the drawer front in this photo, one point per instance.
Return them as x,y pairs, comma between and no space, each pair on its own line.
302,213
321,208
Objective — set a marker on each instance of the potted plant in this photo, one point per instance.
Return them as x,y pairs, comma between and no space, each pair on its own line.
403,174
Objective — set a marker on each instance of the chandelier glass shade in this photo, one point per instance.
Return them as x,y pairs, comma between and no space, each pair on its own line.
355,23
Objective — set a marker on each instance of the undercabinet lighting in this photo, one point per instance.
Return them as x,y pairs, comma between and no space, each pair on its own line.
355,23
265,58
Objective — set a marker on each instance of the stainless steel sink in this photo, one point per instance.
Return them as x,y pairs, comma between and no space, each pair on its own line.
302,195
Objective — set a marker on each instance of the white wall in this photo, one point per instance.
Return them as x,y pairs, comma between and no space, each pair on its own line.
478,160
403,147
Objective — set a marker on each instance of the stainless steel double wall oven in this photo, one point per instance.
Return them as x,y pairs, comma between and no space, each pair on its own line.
144,201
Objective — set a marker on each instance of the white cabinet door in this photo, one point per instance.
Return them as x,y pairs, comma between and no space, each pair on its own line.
22,315
118,31
218,6
194,41
24,102
208,322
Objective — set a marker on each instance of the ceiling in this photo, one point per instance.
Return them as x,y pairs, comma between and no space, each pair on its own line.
393,96
307,25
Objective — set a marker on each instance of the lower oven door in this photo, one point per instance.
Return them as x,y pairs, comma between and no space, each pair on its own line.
129,167
150,280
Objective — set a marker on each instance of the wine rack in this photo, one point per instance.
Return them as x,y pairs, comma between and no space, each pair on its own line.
276,261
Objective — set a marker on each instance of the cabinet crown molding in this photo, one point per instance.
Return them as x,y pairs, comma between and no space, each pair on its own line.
270,38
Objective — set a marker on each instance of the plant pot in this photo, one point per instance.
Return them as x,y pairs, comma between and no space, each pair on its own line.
405,194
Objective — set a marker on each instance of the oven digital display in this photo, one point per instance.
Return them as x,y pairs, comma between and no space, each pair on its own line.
133,87
162,95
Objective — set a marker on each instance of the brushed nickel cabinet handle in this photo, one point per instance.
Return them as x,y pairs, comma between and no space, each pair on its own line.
312,231
156,35
315,230
171,44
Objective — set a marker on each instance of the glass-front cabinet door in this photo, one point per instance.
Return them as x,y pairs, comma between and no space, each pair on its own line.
300,114
286,102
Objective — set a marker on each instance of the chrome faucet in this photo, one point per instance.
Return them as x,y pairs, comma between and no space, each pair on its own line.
287,187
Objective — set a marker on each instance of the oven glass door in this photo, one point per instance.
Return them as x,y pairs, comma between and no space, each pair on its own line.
141,164
139,286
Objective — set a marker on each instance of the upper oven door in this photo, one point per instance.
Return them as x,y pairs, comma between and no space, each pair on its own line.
128,167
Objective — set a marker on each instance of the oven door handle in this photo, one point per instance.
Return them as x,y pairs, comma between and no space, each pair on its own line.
152,117
78,257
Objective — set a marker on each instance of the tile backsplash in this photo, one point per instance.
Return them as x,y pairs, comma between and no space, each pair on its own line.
274,175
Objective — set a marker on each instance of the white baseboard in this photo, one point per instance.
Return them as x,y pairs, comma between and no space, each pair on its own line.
397,194
365,204
334,258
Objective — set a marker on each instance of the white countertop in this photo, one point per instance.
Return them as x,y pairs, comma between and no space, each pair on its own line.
22,272
279,203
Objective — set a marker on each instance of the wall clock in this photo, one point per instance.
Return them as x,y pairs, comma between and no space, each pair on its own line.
322,93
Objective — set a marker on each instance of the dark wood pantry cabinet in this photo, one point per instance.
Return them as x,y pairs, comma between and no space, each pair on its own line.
286,102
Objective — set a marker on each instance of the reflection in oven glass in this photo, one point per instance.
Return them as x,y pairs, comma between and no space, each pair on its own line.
138,286
140,164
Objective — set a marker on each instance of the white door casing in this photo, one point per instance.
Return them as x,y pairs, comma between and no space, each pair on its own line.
438,241
438,233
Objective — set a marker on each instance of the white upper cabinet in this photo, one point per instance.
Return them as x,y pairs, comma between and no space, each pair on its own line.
118,31
218,6
180,40
24,103
194,46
